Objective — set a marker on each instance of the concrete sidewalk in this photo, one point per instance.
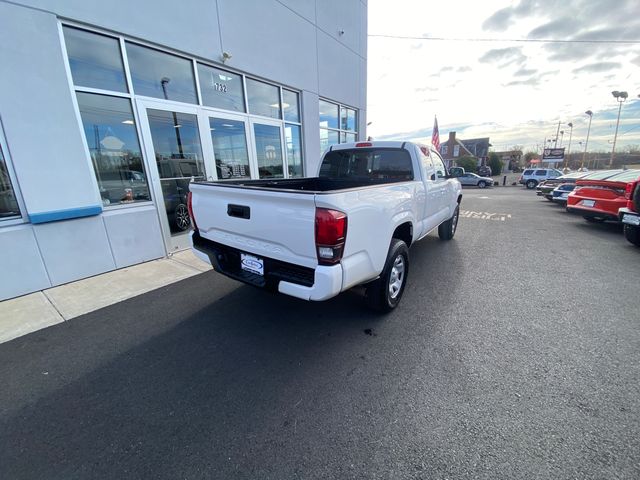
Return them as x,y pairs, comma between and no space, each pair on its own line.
26,314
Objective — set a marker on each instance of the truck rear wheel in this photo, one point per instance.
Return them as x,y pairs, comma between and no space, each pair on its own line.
384,294
632,234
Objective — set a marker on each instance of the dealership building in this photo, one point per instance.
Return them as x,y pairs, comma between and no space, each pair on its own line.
109,109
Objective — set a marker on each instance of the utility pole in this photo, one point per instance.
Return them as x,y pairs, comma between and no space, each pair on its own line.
590,113
555,145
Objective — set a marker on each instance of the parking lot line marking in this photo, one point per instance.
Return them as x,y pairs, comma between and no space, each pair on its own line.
498,217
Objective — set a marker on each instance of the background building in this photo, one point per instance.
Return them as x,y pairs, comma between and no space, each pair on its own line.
108,109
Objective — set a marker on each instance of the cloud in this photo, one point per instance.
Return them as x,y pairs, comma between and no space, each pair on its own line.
524,72
597,67
425,89
555,29
503,18
504,56
463,69
446,69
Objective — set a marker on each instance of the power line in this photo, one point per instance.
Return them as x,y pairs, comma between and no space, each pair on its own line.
520,40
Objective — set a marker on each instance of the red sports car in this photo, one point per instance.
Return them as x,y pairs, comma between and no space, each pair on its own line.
600,200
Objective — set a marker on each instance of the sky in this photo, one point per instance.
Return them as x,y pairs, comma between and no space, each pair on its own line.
514,92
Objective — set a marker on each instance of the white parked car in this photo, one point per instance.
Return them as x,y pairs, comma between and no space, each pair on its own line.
313,238
531,177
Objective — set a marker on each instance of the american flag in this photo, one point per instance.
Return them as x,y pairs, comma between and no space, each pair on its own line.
435,136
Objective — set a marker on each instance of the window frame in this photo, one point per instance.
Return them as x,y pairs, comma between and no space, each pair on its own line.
23,217
340,130
195,60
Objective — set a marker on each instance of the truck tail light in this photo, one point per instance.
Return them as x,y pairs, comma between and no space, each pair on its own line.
628,194
364,144
190,209
331,233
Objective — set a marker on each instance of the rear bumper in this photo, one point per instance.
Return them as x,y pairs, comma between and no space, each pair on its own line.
592,213
320,283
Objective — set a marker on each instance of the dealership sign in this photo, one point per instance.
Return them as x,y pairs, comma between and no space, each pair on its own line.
553,155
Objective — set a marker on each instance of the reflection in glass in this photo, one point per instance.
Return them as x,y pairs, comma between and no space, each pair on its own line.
347,137
95,60
161,75
263,99
327,138
110,131
347,119
328,114
8,202
294,149
269,151
230,148
178,151
221,89
290,106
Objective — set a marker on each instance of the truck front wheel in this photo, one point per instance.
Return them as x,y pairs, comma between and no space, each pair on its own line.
385,293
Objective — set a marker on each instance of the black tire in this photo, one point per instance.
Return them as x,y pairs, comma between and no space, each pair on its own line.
482,184
594,219
447,230
384,294
181,217
531,184
632,234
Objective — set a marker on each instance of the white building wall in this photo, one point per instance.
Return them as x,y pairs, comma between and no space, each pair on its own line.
315,46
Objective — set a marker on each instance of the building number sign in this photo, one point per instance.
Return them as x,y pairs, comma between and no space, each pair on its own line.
220,87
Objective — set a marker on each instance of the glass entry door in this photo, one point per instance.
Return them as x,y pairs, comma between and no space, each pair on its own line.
229,135
174,149
267,145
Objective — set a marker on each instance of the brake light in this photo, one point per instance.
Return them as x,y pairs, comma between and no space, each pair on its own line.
628,189
331,233
364,144
190,209
631,187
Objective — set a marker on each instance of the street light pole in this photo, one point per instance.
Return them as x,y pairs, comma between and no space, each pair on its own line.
590,113
555,145
566,157
620,98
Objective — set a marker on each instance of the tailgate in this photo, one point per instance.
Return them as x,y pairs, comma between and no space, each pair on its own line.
267,223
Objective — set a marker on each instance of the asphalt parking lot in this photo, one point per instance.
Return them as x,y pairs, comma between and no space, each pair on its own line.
515,353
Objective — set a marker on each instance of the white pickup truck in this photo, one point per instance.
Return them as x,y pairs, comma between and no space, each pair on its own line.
313,238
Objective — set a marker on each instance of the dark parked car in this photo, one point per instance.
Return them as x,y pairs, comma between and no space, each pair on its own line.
484,171
545,188
630,214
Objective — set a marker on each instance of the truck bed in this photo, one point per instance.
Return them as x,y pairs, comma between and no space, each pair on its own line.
309,185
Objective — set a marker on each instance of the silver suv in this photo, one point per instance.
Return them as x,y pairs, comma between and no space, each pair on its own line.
531,177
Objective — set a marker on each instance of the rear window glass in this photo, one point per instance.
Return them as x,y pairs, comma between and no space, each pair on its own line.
628,176
601,175
541,172
392,164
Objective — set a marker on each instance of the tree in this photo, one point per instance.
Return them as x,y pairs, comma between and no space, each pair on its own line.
470,164
495,163
529,156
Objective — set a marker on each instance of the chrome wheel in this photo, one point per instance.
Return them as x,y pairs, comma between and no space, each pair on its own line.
396,278
183,222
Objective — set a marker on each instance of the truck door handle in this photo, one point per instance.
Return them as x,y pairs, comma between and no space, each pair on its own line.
239,211
433,176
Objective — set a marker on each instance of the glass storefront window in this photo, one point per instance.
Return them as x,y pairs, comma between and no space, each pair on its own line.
328,137
292,138
95,60
347,119
230,148
109,128
221,89
328,114
161,75
263,99
347,137
8,201
268,150
290,106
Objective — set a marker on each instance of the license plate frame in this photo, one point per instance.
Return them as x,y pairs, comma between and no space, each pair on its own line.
588,203
631,219
252,264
